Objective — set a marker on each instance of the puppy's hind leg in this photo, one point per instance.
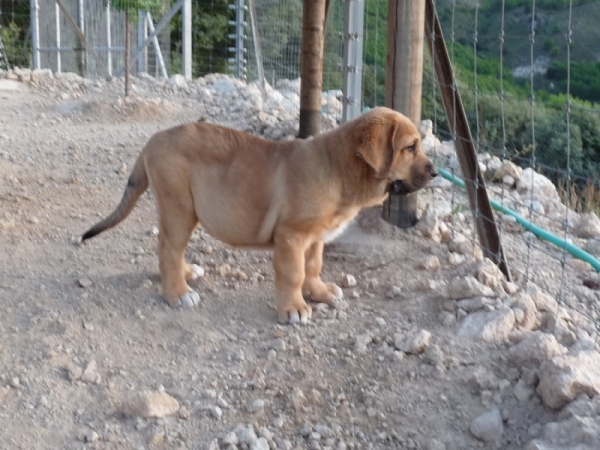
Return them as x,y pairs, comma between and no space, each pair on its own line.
314,288
177,222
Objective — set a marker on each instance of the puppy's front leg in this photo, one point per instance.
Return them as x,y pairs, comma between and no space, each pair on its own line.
288,262
313,287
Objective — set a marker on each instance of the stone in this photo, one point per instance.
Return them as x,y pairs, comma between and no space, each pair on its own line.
256,405
91,436
177,80
592,246
460,244
522,391
534,350
588,226
492,326
482,379
41,75
90,374
474,304
216,412
525,303
468,287
488,427
532,185
230,439
431,263
245,435
84,282
507,168
361,341
74,372
151,404
544,302
260,444
348,280
564,377
576,433
415,343
489,274
428,225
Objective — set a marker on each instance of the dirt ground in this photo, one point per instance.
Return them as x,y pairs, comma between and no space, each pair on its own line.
64,162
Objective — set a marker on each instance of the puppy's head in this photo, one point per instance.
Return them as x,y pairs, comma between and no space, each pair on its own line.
391,145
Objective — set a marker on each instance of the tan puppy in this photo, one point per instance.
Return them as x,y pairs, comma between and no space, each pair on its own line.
288,196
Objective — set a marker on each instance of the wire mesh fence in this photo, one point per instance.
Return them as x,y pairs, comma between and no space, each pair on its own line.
534,144
529,94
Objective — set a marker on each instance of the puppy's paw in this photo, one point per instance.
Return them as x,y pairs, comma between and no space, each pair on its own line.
335,290
321,292
296,314
189,299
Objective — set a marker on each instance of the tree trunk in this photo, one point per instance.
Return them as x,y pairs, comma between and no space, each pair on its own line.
404,75
127,51
311,67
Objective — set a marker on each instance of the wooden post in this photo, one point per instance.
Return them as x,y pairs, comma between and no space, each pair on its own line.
403,85
311,67
489,238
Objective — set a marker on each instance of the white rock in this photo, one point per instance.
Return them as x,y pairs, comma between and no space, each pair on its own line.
525,303
431,263
415,343
230,439
256,405
178,80
576,433
460,244
90,374
348,280
507,168
489,274
216,412
488,427
493,326
482,379
588,226
592,246
533,351
245,435
428,225
544,302
260,444
533,185
151,404
522,391
468,287
361,341
564,377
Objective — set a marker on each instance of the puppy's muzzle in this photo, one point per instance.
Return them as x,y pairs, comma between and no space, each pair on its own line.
400,187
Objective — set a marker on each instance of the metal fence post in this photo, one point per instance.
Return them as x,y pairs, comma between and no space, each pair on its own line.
187,39
58,57
353,59
108,40
142,36
81,23
35,32
239,50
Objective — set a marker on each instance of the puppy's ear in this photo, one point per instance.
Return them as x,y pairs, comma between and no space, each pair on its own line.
375,140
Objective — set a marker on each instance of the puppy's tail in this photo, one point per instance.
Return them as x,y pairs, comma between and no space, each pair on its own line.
136,186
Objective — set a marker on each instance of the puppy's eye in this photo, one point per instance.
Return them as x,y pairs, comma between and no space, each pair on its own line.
412,148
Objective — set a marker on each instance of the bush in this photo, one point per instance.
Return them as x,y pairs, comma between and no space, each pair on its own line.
16,48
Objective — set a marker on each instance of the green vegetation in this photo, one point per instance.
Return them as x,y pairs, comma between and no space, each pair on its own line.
14,33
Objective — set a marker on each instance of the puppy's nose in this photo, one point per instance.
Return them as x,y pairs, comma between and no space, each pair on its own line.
432,170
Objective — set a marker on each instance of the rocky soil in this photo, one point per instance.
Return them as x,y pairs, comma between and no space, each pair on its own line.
430,349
